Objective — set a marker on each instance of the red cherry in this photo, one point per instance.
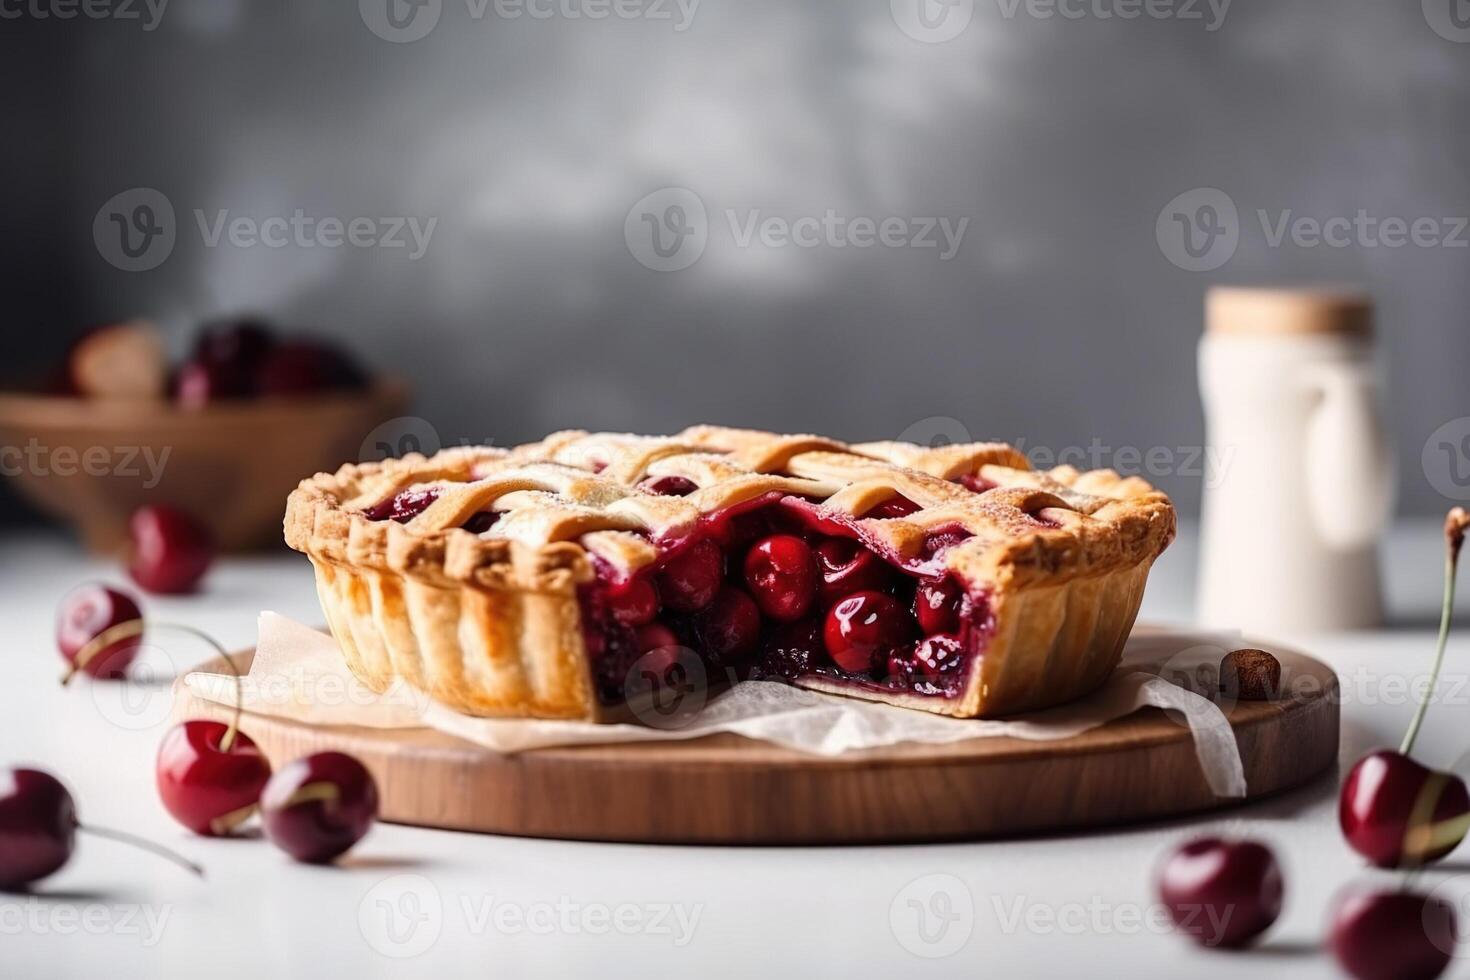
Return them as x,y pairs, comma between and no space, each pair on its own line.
405,506
655,636
1382,796
634,603
1221,892
168,553
1397,935
38,827
207,786
85,614
848,567
306,367
691,578
730,626
936,656
782,575
317,807
238,345
199,384
893,507
937,607
864,628
669,486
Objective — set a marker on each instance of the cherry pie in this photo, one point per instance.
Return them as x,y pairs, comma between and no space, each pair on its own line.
544,581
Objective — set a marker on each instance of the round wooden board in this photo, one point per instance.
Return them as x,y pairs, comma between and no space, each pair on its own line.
729,790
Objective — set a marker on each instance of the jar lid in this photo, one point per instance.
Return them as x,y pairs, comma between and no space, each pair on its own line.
1341,310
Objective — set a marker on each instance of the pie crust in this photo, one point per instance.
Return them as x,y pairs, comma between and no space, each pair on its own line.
492,624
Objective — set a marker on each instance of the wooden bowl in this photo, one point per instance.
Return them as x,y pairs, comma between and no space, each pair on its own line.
92,463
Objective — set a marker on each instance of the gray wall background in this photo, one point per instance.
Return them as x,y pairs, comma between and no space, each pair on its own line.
1060,320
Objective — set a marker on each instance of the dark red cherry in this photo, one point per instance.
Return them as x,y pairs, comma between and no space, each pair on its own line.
317,807
1221,892
691,578
893,507
937,607
936,656
864,628
200,384
669,486
848,567
793,649
483,521
1393,935
655,636
404,506
975,482
307,367
237,345
781,573
85,614
1382,796
207,786
633,603
38,827
168,551
730,626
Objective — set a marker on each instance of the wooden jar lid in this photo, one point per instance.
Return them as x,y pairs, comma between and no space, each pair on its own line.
1306,310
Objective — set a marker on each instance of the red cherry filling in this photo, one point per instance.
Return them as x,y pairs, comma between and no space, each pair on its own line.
669,486
730,626
975,482
405,506
937,606
781,573
847,567
482,522
691,578
635,603
863,629
895,507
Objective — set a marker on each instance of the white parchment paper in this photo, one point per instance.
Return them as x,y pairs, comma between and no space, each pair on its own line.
298,673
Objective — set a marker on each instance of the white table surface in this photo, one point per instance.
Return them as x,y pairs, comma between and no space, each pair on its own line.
478,906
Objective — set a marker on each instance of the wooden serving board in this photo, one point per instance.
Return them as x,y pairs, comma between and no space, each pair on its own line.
728,790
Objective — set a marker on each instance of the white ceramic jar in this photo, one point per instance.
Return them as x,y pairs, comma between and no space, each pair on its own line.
1302,482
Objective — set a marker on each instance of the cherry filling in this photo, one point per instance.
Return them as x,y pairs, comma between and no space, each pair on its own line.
777,589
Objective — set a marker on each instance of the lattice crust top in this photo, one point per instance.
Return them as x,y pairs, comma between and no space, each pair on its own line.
576,493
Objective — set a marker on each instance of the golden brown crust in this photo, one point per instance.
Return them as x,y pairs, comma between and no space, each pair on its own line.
489,623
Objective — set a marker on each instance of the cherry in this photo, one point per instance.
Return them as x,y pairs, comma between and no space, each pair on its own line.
307,367
669,486
85,614
976,483
634,603
864,628
793,649
1393,935
936,656
1393,810
782,575
405,505
893,507
38,829
848,567
482,522
199,384
655,636
168,552
236,346
691,578
1221,892
1396,812
730,626
937,606
210,776
317,807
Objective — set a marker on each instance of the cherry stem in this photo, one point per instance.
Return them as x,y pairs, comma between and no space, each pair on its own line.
1454,529
136,627
141,844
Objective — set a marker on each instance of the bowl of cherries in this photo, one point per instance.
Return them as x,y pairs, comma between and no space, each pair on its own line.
221,436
